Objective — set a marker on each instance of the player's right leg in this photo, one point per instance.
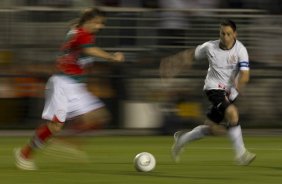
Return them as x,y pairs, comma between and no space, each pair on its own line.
24,155
181,139
211,126
55,112
176,148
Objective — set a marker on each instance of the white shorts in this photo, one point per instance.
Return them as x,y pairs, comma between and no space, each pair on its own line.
66,98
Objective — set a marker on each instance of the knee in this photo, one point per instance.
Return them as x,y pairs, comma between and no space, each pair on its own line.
99,116
204,129
55,127
231,114
215,129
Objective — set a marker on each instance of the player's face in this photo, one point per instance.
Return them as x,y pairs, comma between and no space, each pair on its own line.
97,23
227,36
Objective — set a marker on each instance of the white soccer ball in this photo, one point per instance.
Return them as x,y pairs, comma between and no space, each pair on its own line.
144,162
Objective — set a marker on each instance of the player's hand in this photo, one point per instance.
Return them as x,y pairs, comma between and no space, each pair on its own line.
118,56
173,65
167,70
233,94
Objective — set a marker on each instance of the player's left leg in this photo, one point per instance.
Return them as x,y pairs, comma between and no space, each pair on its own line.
92,120
224,109
243,156
70,143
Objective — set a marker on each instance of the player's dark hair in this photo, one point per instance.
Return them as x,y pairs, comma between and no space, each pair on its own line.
230,23
89,14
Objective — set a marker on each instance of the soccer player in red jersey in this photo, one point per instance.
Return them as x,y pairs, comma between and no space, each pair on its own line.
66,95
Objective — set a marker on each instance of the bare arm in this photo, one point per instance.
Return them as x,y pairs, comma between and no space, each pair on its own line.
173,65
243,79
98,52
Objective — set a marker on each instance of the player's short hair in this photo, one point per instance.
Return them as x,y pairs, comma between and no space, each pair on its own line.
230,23
89,14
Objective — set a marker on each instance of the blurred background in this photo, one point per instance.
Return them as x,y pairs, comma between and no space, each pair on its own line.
31,32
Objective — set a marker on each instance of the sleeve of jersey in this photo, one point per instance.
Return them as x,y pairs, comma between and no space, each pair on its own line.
244,59
86,40
200,52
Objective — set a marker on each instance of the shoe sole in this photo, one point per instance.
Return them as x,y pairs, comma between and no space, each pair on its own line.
249,161
18,162
176,157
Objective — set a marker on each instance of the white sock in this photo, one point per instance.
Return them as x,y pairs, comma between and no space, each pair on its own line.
195,134
235,135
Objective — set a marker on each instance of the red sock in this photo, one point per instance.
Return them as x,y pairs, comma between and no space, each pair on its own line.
42,134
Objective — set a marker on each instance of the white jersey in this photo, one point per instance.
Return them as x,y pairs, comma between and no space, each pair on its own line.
224,65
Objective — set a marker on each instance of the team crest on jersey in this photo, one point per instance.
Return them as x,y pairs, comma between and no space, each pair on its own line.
232,60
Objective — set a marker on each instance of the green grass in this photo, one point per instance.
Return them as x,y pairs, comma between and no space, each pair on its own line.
208,161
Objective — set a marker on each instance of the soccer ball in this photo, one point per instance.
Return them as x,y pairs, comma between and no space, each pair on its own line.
144,162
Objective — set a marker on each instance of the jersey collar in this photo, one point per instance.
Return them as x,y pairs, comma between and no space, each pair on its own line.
221,47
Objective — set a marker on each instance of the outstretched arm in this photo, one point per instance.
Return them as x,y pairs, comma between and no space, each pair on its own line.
173,65
98,52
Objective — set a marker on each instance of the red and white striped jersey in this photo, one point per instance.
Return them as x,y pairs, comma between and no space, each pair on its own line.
72,60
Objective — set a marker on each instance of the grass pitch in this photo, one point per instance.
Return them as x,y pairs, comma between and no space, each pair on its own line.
207,161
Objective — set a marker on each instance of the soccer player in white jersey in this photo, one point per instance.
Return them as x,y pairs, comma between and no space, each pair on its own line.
227,74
